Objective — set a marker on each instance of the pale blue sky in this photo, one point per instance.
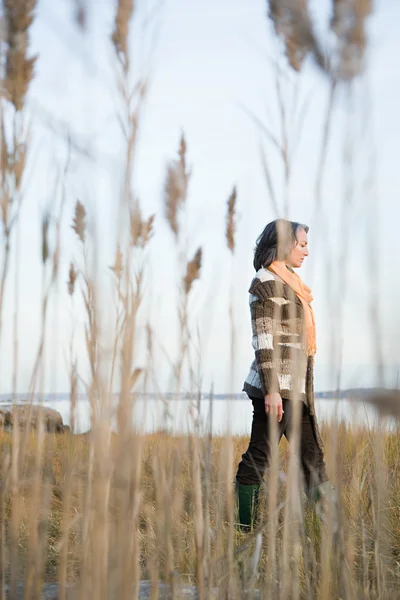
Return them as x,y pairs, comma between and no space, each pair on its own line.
210,59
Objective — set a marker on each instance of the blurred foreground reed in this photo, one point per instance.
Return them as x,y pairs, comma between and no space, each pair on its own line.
151,525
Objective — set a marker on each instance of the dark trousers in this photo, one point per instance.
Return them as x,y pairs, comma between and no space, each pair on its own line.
256,460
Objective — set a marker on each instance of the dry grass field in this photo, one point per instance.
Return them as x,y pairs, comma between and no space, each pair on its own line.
158,507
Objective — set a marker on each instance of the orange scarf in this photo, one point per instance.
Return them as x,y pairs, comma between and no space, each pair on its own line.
303,292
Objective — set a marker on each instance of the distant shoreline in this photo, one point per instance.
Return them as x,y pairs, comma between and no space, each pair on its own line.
354,393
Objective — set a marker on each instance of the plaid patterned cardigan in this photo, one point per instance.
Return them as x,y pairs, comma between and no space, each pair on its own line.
280,364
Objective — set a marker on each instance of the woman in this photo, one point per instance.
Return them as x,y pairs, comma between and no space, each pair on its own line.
284,340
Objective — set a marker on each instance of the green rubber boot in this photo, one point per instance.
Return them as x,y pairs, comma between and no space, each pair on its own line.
324,491
247,498
324,498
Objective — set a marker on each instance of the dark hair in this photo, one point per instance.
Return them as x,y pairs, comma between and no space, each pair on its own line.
276,242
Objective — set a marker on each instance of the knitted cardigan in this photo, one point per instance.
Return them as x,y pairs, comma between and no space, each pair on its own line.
280,364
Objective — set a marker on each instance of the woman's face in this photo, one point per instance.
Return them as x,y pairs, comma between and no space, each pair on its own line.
299,251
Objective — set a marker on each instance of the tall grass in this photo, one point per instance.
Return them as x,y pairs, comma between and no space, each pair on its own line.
363,554
104,510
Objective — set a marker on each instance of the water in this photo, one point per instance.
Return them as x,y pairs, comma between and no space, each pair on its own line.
226,414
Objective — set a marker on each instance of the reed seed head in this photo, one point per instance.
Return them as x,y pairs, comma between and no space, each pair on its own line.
292,23
136,224
79,222
19,69
192,271
118,266
141,230
72,279
348,23
176,187
147,230
120,34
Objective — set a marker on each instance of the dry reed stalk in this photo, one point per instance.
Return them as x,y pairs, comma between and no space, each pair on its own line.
131,303
268,180
21,442
16,506
118,266
379,513
208,442
136,503
128,468
175,196
96,569
283,143
67,491
192,272
292,515
198,514
92,335
334,525
152,566
230,220
86,571
323,154
354,538
334,528
73,387
184,342
18,74
271,490
100,525
331,557
5,468
33,572
129,298
118,269
226,495
43,531
111,556
47,287
140,230
165,488
219,525
348,539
